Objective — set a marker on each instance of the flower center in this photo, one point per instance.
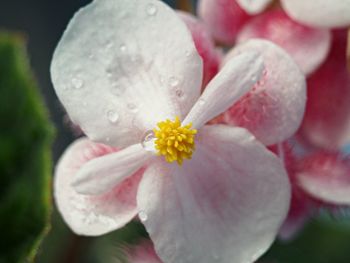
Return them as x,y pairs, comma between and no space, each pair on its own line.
174,141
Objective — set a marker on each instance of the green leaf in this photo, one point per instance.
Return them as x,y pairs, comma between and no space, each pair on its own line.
25,156
324,240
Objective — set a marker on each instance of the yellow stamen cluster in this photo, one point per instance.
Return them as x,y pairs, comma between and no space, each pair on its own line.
173,141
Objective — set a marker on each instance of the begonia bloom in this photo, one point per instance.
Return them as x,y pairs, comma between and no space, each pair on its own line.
129,75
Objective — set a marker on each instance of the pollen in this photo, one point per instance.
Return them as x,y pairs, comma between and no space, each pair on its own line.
174,141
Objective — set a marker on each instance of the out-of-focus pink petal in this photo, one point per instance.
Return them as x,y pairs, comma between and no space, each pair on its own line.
142,253
234,80
204,44
253,7
224,18
300,212
327,118
326,177
103,173
123,66
319,13
308,46
215,207
92,215
274,108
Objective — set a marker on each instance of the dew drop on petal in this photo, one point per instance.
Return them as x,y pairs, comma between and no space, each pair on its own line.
112,116
173,81
122,48
151,10
147,141
179,93
77,83
143,216
201,102
132,107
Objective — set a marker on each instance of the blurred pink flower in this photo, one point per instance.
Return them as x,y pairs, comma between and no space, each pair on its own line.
124,68
308,46
327,118
224,19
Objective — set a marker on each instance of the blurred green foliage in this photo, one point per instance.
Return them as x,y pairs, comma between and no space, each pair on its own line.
25,155
324,240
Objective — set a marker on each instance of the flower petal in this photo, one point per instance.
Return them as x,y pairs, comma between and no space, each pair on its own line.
319,13
102,174
224,18
235,79
309,47
224,205
122,66
327,118
326,177
204,44
274,108
253,7
142,253
92,215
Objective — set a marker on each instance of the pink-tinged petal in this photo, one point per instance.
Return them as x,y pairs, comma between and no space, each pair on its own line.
274,108
326,177
104,173
215,207
307,46
235,79
142,253
254,7
122,66
319,13
327,118
204,44
92,215
224,18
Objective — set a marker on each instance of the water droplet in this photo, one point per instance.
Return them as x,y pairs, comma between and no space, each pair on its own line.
187,53
132,107
201,102
173,81
107,139
147,141
117,89
151,10
112,116
143,216
77,83
179,93
122,48
216,256
109,45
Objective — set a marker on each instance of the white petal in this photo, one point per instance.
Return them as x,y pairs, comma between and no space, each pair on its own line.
235,79
103,173
124,65
226,204
254,7
319,13
92,215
